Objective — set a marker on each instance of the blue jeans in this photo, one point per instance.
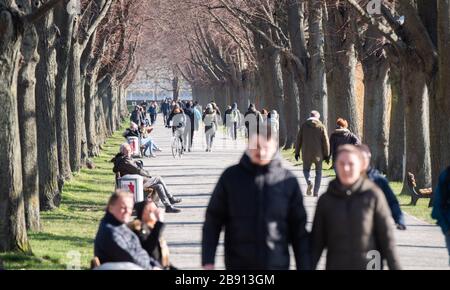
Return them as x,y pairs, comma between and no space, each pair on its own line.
306,171
149,145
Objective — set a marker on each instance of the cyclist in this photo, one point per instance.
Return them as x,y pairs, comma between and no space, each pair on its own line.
178,120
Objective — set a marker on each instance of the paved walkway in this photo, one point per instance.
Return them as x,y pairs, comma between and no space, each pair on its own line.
194,176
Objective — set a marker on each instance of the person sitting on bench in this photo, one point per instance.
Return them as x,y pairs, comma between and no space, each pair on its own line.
115,242
125,165
146,142
148,226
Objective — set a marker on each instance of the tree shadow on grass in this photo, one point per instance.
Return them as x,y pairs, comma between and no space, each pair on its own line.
29,261
73,240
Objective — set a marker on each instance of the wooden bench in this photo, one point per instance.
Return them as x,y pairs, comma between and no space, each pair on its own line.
416,193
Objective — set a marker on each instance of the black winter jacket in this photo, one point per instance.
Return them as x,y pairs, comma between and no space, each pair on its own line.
262,211
341,137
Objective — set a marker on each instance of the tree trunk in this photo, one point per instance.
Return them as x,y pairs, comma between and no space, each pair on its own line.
396,164
440,103
291,103
316,80
49,188
28,130
74,106
414,86
64,22
13,234
376,134
341,65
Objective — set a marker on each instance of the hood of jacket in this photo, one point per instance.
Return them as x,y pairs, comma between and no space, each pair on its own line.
342,131
314,123
337,189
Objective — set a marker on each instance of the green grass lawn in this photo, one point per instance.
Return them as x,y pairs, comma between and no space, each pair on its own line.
72,227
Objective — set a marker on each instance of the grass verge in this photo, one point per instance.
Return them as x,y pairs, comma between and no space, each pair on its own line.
68,232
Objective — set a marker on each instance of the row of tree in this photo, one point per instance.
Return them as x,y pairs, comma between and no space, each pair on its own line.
64,68
298,55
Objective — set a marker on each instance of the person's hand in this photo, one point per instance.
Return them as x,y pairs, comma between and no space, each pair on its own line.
297,157
401,227
208,267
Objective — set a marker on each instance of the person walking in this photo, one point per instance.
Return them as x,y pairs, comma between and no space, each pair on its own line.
252,120
441,206
376,177
312,140
227,121
341,136
210,118
259,204
136,116
153,112
353,221
165,109
189,129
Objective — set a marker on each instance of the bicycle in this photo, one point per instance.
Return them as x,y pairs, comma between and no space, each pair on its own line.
177,145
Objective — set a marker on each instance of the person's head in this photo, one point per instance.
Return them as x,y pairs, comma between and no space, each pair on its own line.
349,165
120,205
188,105
366,154
342,123
229,108
145,209
234,107
261,149
315,114
209,108
125,149
136,108
264,112
252,107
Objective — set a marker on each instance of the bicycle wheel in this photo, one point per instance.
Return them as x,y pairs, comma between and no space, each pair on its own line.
174,147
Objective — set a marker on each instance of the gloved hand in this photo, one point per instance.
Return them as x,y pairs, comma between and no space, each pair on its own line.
297,157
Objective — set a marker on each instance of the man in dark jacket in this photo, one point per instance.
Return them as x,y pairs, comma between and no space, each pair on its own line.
375,176
125,165
115,242
312,140
261,207
136,116
189,130
253,120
